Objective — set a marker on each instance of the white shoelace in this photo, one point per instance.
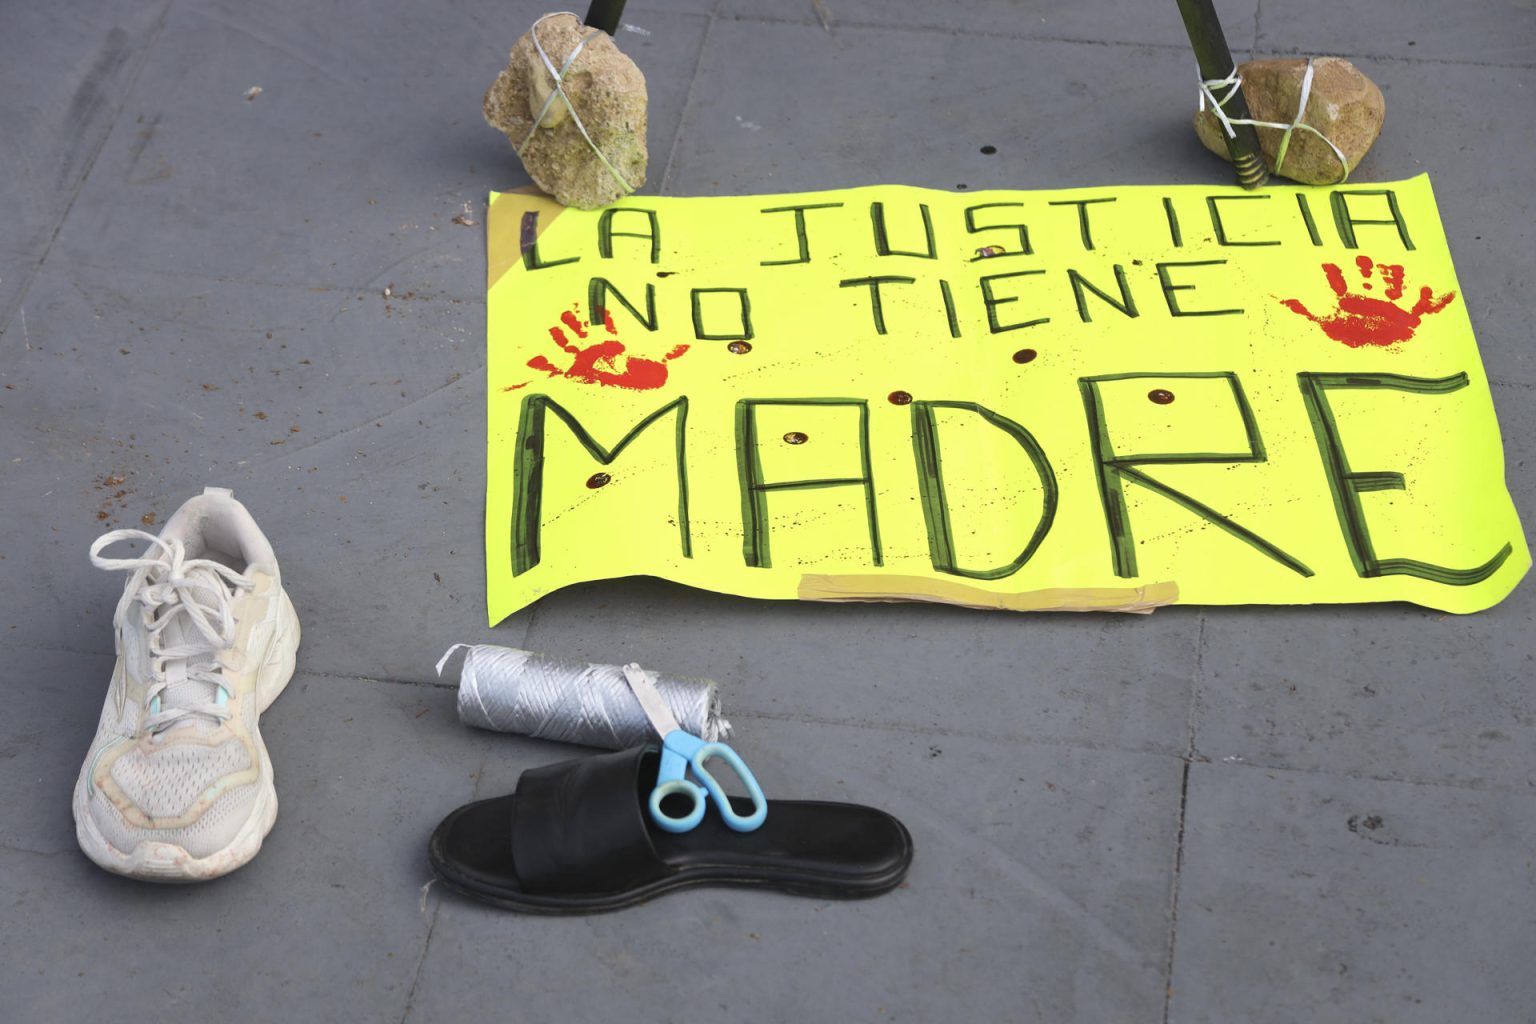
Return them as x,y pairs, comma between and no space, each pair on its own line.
167,584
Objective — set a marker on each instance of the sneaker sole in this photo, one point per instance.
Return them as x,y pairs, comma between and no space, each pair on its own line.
153,861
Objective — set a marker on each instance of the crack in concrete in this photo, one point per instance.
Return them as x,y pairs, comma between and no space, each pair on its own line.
682,118
123,91
13,848
294,453
1173,896
1123,44
426,946
1191,756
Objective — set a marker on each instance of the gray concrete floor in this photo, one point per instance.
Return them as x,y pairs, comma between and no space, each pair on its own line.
1223,815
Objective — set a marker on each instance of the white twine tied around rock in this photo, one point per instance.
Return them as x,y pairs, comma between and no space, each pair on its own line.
559,78
1233,82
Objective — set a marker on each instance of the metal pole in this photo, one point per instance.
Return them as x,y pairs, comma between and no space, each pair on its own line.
605,14
1210,46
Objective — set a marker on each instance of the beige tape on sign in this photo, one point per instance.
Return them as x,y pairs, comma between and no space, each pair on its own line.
1091,399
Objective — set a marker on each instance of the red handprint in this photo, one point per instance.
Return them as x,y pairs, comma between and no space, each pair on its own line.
1363,320
599,362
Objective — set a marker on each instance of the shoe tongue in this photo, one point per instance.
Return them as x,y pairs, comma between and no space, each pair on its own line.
181,691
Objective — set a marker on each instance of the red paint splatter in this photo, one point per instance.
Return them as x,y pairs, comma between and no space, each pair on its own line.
1363,320
604,363
514,387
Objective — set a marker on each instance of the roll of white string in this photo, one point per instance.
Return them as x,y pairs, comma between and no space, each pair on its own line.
515,691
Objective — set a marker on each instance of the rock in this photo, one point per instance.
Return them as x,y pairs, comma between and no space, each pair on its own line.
1344,105
609,94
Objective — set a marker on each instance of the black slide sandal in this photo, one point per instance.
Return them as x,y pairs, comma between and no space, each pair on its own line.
576,839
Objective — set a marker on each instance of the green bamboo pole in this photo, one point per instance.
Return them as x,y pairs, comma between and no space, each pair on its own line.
605,14
1210,46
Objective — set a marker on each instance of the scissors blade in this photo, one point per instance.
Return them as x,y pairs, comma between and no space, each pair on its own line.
644,687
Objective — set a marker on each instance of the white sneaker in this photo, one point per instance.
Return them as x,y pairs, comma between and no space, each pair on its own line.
177,786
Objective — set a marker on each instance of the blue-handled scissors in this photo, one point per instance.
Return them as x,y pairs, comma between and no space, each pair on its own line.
682,751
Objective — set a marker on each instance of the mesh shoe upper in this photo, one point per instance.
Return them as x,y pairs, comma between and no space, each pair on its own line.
176,755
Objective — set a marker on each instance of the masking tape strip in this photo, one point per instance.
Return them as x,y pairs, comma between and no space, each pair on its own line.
507,228
1138,600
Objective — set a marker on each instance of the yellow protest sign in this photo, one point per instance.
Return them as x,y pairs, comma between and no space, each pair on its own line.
1108,398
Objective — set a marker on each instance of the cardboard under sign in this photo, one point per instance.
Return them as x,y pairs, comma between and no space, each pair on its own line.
1108,398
